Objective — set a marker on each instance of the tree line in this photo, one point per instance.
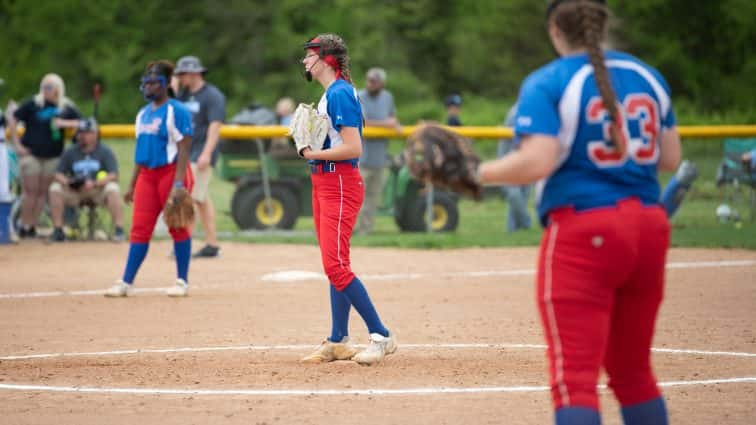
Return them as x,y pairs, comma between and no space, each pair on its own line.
430,48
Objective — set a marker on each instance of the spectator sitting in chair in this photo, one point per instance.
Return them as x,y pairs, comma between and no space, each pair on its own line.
87,171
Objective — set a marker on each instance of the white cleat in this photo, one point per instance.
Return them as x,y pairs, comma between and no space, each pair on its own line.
329,351
119,289
379,347
181,289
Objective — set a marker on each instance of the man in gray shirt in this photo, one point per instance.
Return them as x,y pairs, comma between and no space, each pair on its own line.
208,107
380,111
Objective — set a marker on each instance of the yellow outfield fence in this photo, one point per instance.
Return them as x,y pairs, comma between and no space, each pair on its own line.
251,132
492,133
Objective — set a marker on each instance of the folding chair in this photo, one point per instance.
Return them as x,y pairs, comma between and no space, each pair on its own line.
733,171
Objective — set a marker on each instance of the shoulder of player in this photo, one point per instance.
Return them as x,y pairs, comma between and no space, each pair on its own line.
340,86
179,106
143,109
623,56
554,76
543,77
341,91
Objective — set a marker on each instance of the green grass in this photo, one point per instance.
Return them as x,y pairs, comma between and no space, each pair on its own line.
483,224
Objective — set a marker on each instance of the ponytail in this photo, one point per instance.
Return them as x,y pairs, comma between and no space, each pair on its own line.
584,24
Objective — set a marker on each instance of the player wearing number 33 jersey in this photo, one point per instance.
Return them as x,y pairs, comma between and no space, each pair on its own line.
594,127
592,173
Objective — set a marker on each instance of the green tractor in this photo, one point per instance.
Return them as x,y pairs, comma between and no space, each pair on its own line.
273,185
406,200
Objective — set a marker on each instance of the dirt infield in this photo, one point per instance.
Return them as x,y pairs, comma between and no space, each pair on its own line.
470,343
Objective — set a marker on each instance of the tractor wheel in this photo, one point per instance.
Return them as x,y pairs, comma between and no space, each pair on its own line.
445,214
250,211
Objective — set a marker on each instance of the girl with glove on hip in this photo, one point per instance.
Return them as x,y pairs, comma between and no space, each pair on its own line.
594,127
161,175
337,195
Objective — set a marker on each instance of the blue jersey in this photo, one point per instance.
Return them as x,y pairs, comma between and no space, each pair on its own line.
562,100
158,132
341,105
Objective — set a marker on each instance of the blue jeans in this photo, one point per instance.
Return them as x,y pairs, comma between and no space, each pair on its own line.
517,198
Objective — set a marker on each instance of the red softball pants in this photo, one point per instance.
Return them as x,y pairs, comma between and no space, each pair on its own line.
336,201
151,191
600,285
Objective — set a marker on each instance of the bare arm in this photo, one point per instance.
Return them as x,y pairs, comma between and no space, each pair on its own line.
671,150
64,123
351,148
213,135
129,195
537,157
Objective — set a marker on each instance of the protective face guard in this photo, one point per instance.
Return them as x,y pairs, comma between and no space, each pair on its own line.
151,77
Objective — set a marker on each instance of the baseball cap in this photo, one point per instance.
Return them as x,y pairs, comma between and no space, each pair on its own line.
453,99
189,64
87,125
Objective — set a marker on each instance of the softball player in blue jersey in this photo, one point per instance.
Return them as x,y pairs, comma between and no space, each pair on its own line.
163,140
594,127
337,194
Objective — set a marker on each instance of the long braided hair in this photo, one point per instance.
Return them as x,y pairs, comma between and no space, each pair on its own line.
584,24
333,51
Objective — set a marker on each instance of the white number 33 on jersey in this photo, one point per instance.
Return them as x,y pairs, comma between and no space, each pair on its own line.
643,147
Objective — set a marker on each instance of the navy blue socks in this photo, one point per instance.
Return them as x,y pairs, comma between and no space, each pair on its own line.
137,252
340,307
359,298
652,412
183,251
577,416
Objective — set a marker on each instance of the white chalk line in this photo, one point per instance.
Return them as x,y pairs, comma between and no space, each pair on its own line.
73,293
301,276
335,392
461,346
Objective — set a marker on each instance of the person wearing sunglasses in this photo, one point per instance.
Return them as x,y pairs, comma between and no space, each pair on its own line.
45,118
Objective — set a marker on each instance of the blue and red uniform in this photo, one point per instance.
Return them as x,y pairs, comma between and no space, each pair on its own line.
602,256
337,189
158,132
337,195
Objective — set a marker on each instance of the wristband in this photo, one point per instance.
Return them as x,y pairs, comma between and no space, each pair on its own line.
178,185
